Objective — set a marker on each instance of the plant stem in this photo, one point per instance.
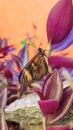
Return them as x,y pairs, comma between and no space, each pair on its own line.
44,123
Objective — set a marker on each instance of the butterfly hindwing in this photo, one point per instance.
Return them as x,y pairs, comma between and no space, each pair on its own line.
25,77
35,69
39,68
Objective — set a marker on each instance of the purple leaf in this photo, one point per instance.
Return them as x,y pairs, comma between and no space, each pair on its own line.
23,55
2,56
3,125
65,104
60,61
11,49
2,66
3,43
60,21
13,88
15,75
48,106
9,64
7,73
63,44
53,90
59,127
3,98
17,61
6,50
0,43
3,101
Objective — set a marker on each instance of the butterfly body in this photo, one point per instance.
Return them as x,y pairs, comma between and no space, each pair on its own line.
35,69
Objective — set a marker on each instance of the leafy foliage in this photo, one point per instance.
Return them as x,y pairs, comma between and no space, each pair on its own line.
55,100
10,67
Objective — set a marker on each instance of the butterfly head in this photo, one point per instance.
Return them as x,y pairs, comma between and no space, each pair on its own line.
41,51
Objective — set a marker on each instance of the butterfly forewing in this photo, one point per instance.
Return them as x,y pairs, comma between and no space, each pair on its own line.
35,69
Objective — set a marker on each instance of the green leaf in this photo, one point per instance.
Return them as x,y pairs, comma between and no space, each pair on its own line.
23,42
31,43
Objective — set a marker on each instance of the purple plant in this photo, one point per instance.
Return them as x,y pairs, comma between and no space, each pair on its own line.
10,67
3,101
60,24
60,61
55,100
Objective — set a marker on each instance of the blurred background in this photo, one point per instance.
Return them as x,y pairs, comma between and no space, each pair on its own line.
17,18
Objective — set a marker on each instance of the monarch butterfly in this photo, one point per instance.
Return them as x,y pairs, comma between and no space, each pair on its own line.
35,69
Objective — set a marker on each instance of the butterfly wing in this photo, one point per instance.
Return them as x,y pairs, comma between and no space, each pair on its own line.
39,68
35,69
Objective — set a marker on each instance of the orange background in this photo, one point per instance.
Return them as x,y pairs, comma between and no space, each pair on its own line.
16,18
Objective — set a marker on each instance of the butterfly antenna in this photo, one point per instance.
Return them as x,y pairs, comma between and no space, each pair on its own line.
32,45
